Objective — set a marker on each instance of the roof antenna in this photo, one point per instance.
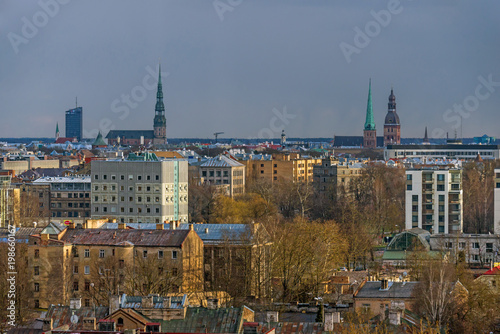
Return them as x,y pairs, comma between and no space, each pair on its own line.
76,101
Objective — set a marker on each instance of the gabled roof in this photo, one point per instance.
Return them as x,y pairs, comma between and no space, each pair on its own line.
61,315
53,228
152,238
221,161
493,271
396,290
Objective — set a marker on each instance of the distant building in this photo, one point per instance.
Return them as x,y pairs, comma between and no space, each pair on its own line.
74,123
69,196
434,199
447,151
332,174
157,136
141,189
369,132
283,166
392,127
224,171
496,218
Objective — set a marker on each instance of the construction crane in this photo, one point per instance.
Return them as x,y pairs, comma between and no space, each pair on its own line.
216,134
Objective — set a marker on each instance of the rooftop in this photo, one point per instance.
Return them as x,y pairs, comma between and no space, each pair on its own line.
395,290
63,179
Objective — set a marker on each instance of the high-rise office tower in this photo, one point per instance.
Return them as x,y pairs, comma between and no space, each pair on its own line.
74,123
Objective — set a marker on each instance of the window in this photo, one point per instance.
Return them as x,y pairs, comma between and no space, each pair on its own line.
113,177
448,245
408,187
441,198
87,302
119,322
104,177
160,254
461,245
87,286
139,177
174,255
157,177
148,177
408,177
36,270
440,177
174,271
101,253
96,177
37,287
37,303
75,286
440,187
145,253
86,253
75,269
122,177
37,253
475,245
131,177
414,198
489,247
86,270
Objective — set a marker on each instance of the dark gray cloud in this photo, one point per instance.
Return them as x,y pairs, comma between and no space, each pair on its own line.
228,75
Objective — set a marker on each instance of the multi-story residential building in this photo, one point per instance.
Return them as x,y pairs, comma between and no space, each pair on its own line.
74,123
9,201
92,264
35,203
141,189
332,174
289,166
69,196
224,171
496,195
434,199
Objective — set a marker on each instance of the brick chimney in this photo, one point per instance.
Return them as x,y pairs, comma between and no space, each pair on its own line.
122,226
159,226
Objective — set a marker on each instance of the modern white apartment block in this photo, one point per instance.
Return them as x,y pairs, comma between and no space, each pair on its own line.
434,199
141,189
496,214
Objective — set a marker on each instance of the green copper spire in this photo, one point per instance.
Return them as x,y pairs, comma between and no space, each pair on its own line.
370,122
57,128
160,107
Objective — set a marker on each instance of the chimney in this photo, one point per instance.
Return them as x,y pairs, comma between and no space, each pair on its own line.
384,284
206,230
47,325
122,226
159,226
71,225
191,227
167,303
147,302
172,225
114,303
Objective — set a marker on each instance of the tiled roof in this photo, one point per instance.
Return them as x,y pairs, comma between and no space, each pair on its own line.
152,238
221,161
493,271
395,290
176,302
61,315
202,320
292,327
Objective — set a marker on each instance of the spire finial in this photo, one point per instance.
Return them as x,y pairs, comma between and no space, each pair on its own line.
76,101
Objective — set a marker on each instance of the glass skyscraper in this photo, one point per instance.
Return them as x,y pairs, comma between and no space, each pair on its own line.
74,122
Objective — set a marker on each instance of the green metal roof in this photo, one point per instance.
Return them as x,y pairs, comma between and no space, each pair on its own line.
370,121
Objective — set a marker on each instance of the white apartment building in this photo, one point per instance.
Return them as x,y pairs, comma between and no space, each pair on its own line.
496,214
141,189
434,199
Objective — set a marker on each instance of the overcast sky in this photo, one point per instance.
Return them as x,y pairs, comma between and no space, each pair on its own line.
250,68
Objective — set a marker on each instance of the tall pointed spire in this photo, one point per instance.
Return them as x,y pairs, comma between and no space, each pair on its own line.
57,130
160,107
370,122
426,138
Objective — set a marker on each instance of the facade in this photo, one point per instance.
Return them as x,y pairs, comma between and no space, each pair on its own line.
141,189
290,167
369,132
9,202
66,261
69,196
222,170
434,200
392,127
380,297
496,196
157,136
35,204
74,123
331,174
448,151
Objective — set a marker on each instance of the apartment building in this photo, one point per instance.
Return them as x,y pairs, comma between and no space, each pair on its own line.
141,189
69,196
434,199
224,172
496,214
91,264
285,166
333,174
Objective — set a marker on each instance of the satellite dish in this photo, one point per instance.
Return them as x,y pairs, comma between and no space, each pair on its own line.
74,319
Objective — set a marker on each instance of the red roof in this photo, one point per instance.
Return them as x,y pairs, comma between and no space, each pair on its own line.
493,271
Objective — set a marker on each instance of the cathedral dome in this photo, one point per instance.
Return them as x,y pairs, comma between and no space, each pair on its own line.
392,118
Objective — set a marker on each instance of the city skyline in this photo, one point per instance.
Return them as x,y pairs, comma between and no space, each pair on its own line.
304,68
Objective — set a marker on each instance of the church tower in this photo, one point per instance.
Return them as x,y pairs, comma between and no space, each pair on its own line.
392,127
160,122
369,133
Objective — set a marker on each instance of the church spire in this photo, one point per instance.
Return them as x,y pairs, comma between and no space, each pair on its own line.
57,130
426,138
370,122
160,107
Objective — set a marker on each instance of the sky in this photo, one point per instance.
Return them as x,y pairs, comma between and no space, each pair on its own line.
250,68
